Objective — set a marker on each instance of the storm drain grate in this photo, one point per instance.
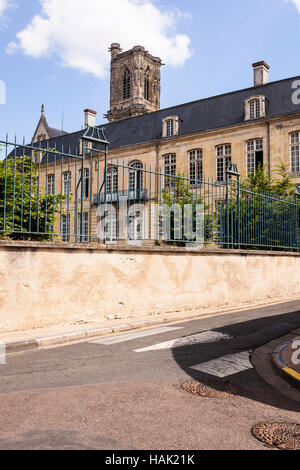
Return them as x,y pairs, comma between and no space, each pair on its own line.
285,436
211,389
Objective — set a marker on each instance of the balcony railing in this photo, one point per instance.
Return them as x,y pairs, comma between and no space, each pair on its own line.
131,195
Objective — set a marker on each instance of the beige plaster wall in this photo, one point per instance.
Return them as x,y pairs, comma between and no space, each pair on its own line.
49,285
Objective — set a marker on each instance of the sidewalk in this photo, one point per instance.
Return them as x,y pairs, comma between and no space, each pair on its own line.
273,363
40,338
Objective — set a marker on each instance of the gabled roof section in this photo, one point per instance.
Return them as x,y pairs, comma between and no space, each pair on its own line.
51,132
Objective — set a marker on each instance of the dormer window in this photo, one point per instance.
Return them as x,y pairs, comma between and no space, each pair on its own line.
170,126
255,108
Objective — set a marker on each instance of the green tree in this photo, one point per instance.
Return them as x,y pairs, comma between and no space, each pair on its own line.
26,212
261,212
278,183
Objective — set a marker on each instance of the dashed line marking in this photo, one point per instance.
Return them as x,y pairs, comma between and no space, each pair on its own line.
131,336
226,365
200,338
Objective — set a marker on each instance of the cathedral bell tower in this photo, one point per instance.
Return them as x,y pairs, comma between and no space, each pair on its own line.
134,83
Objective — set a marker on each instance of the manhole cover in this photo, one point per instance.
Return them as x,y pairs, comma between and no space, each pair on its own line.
211,389
278,435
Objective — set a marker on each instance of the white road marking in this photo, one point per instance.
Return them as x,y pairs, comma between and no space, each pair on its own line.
131,336
200,338
226,365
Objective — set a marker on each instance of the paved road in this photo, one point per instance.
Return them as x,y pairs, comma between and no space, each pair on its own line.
124,392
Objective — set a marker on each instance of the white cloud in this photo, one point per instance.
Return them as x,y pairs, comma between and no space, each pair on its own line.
297,3
3,6
80,32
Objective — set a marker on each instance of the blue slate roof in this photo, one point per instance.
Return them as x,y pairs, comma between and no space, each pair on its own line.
56,132
199,116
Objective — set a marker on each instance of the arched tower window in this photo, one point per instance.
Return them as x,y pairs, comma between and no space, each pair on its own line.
126,84
147,85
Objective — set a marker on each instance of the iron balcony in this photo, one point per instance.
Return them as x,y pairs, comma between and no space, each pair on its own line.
131,195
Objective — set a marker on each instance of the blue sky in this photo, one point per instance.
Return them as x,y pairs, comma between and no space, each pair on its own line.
60,57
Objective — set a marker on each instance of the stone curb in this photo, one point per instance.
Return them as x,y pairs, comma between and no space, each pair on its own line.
290,375
26,345
21,346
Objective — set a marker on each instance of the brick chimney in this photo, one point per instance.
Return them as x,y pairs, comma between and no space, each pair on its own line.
89,118
261,73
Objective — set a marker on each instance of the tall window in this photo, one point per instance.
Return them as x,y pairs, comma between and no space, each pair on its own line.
169,167
86,182
147,86
136,175
223,161
50,184
135,220
67,182
65,228
254,109
110,225
196,166
126,84
295,152
112,180
85,232
255,155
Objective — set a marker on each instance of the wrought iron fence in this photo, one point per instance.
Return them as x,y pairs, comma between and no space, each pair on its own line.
80,195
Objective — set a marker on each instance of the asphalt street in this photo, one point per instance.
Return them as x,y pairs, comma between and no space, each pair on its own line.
124,392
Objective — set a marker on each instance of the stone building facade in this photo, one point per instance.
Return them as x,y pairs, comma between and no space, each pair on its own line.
249,127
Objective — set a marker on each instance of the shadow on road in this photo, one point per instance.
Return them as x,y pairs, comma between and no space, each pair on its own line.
247,336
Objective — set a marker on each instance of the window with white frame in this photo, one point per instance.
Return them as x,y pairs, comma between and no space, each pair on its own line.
255,107
170,164
110,226
112,179
170,126
50,184
66,182
135,227
295,152
255,155
84,234
196,166
65,228
223,161
136,175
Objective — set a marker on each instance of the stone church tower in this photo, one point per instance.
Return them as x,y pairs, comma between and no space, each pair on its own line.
134,83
